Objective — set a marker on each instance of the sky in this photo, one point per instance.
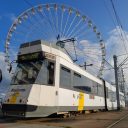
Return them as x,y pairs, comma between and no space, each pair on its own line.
96,10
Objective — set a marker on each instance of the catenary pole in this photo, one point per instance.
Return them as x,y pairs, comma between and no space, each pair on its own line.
116,81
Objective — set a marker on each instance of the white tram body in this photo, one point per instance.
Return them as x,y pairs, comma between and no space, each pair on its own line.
122,99
111,96
47,81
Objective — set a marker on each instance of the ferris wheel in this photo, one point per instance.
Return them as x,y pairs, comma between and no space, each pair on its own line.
55,23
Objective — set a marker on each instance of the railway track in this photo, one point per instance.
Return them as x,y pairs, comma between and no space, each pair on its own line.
116,123
99,120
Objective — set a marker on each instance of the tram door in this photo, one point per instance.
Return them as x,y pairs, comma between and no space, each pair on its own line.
47,78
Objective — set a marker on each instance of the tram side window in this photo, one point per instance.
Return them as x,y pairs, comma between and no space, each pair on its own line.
94,88
100,90
113,96
81,82
77,79
65,77
87,83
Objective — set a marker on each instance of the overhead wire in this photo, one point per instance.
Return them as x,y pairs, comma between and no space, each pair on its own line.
108,63
123,34
117,20
114,20
109,13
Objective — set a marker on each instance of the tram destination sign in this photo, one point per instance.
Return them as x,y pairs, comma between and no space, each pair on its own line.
31,57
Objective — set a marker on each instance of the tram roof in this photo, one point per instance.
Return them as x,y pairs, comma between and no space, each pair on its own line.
41,45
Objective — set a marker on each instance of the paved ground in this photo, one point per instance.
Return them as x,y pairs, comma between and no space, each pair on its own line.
93,120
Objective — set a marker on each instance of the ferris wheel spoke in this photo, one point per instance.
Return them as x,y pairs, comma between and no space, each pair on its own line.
66,24
56,23
46,32
77,32
17,39
19,32
50,26
14,52
83,34
85,51
35,20
87,34
89,55
42,13
70,25
42,24
69,35
61,22
36,27
53,23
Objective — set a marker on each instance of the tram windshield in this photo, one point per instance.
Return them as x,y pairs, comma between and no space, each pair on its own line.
26,72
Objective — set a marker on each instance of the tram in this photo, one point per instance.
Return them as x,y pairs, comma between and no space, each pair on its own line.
47,81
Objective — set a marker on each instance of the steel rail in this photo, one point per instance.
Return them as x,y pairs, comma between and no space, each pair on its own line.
118,121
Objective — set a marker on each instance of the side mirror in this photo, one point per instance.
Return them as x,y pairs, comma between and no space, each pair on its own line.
0,75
